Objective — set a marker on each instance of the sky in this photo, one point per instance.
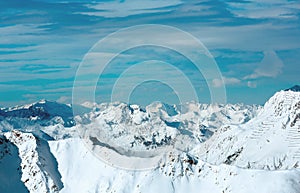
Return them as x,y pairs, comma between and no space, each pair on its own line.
255,45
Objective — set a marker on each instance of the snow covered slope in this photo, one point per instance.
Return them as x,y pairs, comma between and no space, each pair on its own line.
269,141
180,173
224,148
80,171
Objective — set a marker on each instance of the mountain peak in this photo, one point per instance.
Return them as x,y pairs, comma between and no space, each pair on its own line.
295,88
43,111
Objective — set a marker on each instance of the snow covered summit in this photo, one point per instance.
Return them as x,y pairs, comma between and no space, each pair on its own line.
269,141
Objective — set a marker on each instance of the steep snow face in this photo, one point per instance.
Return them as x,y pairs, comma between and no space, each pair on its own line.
10,169
38,167
269,141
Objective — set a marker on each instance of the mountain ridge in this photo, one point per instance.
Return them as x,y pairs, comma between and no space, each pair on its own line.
249,148
295,88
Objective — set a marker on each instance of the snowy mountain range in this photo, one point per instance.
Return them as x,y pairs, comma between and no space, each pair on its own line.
201,148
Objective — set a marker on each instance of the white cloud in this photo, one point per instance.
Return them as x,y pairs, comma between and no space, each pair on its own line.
251,84
254,37
265,9
112,9
23,29
270,66
64,99
226,81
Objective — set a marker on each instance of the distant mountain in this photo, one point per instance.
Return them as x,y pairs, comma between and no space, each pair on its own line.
295,88
43,112
160,125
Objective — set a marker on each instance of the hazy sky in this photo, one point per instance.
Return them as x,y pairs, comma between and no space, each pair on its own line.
256,45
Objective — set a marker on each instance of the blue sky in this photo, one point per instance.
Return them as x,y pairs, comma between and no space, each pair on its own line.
255,44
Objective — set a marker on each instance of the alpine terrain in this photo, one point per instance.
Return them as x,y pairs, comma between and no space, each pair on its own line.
209,148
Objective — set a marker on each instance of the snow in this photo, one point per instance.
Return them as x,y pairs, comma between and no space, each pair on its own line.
34,176
96,176
125,148
269,141
10,168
